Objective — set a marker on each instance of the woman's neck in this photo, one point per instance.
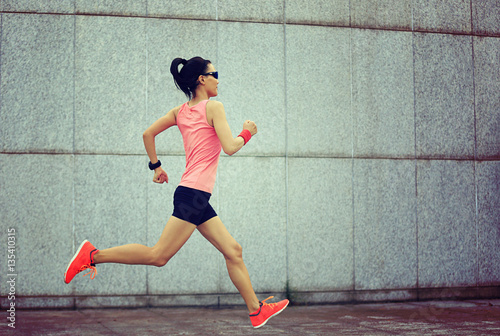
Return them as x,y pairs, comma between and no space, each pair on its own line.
198,98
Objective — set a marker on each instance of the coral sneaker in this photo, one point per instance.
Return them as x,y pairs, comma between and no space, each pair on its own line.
266,311
82,260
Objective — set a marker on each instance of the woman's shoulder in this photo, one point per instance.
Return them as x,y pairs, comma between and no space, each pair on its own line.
214,105
176,110
213,108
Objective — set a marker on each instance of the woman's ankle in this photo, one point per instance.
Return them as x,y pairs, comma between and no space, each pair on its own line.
253,307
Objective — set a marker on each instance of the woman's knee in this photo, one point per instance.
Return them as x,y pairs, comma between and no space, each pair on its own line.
159,259
234,253
160,262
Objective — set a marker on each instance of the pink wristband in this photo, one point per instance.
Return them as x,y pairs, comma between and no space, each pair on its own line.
246,135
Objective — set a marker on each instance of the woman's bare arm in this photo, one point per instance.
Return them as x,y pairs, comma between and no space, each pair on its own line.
229,144
149,135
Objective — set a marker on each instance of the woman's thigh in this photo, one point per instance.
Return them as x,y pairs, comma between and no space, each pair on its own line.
216,233
174,236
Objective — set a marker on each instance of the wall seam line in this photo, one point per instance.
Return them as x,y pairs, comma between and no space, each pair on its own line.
415,157
423,31
287,190
352,158
73,157
1,38
476,188
219,262
74,132
146,114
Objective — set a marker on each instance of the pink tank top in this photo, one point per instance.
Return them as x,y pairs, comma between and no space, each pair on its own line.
202,147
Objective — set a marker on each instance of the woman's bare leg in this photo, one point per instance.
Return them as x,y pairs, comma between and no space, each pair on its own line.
175,234
216,233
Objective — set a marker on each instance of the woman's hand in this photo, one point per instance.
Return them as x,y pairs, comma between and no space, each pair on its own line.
160,176
250,125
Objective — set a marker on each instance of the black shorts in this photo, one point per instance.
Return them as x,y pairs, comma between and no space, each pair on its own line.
192,205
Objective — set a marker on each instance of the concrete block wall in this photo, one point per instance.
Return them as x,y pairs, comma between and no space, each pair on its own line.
375,175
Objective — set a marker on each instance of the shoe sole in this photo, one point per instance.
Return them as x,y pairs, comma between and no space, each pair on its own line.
74,257
263,323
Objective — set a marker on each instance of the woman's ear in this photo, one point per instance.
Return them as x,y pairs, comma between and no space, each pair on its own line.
201,80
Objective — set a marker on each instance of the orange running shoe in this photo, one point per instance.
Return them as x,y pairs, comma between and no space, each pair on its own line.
266,311
82,260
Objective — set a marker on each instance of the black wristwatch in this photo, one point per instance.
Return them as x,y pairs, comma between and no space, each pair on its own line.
154,166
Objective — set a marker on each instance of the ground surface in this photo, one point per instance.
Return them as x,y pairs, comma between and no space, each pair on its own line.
479,317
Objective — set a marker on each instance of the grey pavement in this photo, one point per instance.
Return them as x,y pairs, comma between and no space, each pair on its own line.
475,317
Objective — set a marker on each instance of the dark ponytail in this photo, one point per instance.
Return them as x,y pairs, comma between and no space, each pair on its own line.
187,79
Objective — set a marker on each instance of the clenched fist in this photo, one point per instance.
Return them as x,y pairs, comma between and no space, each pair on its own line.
160,176
250,125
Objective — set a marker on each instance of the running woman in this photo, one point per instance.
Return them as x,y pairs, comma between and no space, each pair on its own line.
204,128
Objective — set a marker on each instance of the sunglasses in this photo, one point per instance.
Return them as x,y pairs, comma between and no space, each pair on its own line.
214,73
